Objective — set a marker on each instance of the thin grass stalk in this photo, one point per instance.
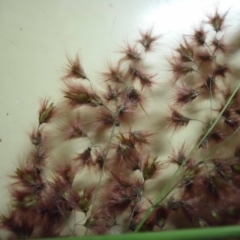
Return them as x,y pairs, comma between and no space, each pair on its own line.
168,188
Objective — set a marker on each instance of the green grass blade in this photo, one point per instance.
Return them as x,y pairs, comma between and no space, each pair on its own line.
185,234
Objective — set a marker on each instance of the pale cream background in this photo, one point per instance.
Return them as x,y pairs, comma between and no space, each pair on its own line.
36,35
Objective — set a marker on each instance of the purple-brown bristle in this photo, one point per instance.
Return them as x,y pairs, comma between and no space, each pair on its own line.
177,120
148,40
74,69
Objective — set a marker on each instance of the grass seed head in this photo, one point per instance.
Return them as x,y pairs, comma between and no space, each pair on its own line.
74,69
148,40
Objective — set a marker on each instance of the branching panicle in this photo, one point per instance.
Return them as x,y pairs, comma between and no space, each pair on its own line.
100,171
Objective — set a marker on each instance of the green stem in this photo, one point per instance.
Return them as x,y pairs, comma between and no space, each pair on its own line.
184,234
168,187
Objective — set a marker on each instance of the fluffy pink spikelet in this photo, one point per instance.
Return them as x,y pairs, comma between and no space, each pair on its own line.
74,69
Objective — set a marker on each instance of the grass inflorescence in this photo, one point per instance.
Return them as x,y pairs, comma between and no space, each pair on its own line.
112,177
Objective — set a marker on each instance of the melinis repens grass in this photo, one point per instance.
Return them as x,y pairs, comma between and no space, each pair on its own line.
100,162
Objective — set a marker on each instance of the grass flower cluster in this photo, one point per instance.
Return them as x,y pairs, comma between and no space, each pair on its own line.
110,177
